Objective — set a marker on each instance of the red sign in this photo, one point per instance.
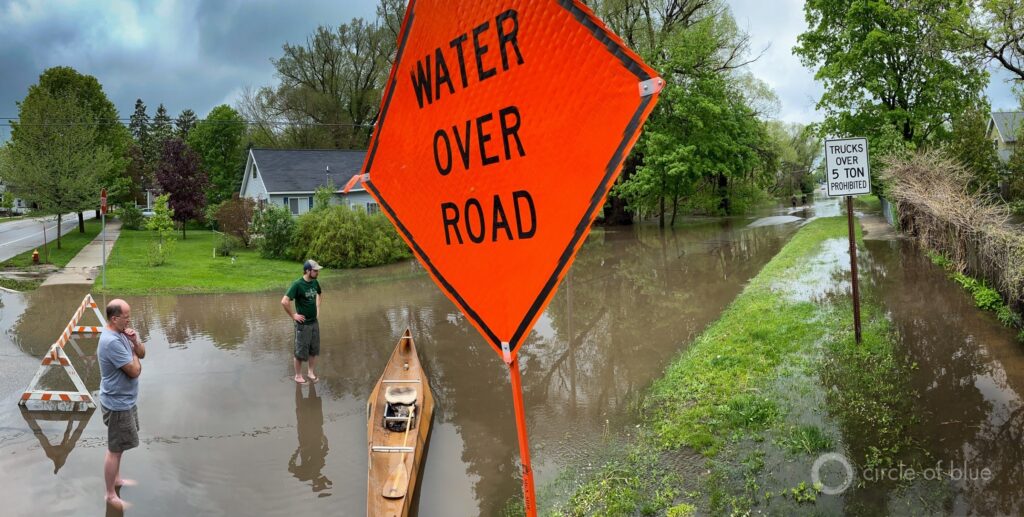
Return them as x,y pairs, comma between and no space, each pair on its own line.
103,201
503,126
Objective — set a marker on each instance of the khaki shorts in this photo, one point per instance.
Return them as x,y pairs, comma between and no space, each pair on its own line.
307,340
122,428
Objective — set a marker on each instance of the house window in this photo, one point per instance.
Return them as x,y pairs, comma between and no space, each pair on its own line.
372,208
293,204
286,202
310,202
254,173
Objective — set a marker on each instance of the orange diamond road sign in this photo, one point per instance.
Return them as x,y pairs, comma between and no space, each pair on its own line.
502,128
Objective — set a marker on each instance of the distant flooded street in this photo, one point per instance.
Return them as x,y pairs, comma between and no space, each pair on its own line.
225,431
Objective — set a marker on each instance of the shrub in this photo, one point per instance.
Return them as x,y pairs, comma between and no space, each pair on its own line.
227,246
158,252
234,217
131,217
342,237
272,231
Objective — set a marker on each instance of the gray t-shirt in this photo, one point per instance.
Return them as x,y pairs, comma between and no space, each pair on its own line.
118,391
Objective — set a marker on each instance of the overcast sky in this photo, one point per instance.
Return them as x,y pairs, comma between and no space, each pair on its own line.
187,54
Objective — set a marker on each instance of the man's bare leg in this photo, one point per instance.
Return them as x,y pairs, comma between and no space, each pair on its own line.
112,474
312,364
298,371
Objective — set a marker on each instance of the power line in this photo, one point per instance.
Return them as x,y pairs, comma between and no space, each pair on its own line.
15,121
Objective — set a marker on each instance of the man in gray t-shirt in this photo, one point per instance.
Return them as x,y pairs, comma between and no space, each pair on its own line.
120,352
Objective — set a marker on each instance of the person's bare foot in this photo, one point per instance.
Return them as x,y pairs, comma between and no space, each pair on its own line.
299,379
311,377
118,503
125,482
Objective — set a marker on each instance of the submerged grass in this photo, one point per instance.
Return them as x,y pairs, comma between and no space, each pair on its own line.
776,381
985,296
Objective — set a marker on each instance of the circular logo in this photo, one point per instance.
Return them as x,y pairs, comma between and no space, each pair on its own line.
816,473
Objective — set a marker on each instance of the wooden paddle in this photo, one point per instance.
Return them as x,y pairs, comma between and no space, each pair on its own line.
397,484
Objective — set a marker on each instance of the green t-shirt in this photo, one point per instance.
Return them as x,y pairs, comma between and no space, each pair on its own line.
304,293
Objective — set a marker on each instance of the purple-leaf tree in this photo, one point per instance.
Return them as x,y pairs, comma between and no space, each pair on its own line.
181,175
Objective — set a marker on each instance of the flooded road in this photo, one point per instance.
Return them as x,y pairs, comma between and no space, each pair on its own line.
970,377
225,431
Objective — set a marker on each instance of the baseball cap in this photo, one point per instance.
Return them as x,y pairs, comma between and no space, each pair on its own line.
311,264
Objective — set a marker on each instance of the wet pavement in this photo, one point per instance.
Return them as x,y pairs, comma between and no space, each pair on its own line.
225,431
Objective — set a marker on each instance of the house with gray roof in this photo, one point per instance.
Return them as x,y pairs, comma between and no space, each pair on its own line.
1004,128
289,177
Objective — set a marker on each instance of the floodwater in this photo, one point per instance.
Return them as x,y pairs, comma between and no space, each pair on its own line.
970,379
225,431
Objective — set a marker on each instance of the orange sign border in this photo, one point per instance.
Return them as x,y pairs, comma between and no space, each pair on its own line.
633,64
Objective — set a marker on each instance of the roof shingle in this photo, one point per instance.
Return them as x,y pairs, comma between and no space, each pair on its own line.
303,170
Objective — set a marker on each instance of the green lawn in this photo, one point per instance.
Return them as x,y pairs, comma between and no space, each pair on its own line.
71,244
192,268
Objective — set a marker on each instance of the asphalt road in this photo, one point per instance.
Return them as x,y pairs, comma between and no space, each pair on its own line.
27,234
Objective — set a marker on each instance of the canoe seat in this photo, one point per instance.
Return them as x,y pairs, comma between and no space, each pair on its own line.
400,395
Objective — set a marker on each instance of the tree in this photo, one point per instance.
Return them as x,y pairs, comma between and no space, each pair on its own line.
160,130
969,144
704,139
1001,34
184,180
139,124
184,123
235,217
901,65
61,80
330,87
797,148
7,202
220,142
161,223
53,157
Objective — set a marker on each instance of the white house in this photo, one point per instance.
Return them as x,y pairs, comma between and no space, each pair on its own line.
288,177
1003,129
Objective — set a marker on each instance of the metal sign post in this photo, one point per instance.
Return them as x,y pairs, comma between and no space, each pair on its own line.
847,174
103,233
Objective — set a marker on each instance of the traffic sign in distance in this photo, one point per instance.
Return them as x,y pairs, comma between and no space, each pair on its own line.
502,128
846,167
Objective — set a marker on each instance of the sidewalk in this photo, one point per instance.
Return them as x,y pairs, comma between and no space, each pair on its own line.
85,267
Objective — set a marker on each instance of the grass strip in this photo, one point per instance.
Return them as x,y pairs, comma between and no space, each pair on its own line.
71,243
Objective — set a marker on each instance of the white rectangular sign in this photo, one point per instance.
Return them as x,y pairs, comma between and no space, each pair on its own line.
846,167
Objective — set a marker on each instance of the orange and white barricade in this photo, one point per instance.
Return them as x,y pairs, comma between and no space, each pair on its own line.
56,357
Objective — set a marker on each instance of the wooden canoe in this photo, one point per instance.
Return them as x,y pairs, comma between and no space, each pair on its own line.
397,452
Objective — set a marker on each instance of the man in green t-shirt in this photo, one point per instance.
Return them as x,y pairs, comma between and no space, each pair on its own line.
307,295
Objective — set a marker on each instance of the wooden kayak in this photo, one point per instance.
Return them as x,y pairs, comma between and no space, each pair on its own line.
401,395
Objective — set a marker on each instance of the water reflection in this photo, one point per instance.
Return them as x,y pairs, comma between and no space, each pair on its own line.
970,376
76,423
307,462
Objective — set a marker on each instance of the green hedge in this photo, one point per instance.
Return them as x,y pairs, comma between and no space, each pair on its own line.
342,237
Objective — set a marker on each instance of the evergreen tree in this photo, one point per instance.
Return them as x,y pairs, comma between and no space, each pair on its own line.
139,125
160,130
184,123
